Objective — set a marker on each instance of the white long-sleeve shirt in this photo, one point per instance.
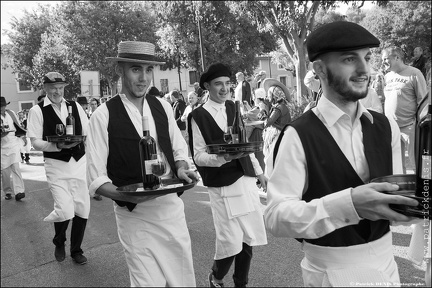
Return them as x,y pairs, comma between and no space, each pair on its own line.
35,124
97,139
201,157
287,215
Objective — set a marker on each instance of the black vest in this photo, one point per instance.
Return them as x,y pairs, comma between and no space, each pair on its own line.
329,171
230,172
124,165
50,119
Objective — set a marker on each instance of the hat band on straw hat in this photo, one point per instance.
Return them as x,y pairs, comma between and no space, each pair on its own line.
137,56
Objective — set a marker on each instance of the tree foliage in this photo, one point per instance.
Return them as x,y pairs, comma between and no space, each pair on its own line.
227,37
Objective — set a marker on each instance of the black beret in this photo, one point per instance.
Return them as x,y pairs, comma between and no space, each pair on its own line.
214,71
339,36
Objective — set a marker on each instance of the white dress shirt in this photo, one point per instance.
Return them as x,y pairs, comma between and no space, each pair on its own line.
201,157
35,124
97,142
287,215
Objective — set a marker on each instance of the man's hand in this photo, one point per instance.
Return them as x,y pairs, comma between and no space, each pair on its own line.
263,180
187,175
230,157
371,204
63,145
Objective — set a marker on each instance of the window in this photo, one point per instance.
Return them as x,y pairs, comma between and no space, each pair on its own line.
25,104
193,77
283,79
280,67
23,82
164,85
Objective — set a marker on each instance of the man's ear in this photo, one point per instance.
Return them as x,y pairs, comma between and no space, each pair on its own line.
119,70
206,85
320,68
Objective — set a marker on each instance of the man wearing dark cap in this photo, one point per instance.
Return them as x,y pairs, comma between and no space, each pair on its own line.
230,179
152,229
319,171
65,165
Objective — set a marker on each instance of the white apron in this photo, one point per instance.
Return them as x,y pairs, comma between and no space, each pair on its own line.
370,264
68,186
156,243
232,232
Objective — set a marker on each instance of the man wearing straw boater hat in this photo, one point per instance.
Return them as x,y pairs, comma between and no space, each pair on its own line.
10,153
152,229
318,189
65,165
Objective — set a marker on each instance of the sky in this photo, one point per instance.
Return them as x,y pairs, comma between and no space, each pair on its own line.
16,8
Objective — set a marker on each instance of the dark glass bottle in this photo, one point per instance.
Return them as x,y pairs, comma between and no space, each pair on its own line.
423,168
238,129
147,148
70,122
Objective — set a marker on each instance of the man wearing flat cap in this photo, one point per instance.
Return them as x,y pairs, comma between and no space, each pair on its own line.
65,165
230,179
319,171
10,153
152,229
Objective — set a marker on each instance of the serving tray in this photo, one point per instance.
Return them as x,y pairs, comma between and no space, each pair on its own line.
171,186
235,148
66,138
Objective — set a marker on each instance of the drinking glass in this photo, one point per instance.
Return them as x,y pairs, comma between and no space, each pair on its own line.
158,167
60,129
227,135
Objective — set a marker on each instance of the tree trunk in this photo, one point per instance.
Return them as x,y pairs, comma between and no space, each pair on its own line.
301,73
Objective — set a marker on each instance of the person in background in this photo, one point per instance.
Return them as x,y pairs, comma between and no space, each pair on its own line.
198,90
167,97
230,179
65,165
93,104
193,103
152,229
419,61
243,90
179,106
405,87
259,78
319,172
26,145
232,94
10,155
378,85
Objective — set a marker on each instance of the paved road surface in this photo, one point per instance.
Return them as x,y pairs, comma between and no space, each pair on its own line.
27,258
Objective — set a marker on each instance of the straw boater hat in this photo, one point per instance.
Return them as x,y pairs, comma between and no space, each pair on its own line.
270,82
54,78
137,52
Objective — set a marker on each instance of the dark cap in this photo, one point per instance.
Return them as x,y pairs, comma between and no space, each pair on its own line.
214,71
339,36
153,91
82,100
3,101
54,78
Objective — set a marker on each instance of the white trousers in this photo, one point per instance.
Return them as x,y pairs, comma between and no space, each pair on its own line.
17,184
370,264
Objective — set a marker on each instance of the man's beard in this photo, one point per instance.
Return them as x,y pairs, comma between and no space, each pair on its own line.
342,88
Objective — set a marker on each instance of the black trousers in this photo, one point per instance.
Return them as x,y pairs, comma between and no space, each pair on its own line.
77,234
241,266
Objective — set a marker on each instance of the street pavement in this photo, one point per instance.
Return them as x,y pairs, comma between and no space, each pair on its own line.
27,252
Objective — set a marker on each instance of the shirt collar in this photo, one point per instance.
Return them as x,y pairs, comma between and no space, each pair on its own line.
215,105
48,101
331,113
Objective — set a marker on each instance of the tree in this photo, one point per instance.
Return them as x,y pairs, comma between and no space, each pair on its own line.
227,37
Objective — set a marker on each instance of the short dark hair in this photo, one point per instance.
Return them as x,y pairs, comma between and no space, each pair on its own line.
94,99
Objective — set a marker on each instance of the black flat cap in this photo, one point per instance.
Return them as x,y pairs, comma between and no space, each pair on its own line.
214,71
339,36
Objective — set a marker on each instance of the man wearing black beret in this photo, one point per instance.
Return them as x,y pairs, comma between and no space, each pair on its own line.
319,171
230,179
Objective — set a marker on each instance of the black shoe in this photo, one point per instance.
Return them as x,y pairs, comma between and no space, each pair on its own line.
97,197
79,259
213,283
8,196
19,196
60,253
